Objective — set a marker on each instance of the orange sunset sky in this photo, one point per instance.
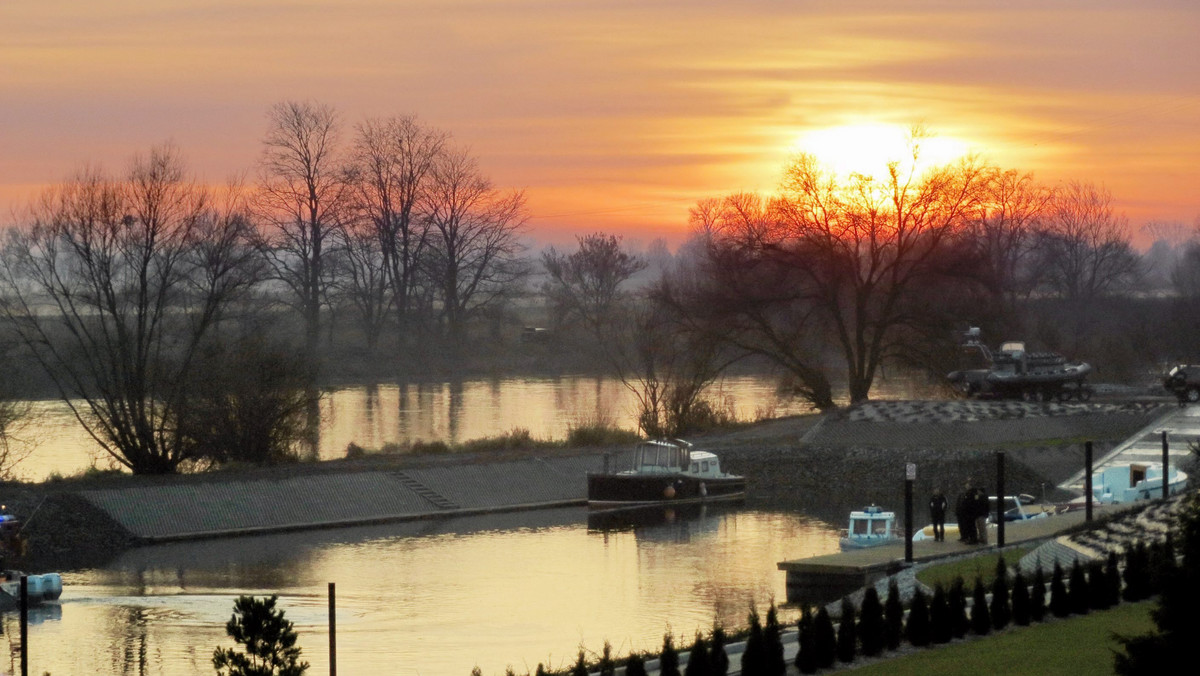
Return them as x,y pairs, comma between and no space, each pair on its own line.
618,115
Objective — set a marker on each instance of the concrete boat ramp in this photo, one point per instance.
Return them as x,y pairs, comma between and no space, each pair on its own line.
214,508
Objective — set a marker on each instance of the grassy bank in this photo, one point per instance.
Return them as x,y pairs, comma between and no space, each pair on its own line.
1037,649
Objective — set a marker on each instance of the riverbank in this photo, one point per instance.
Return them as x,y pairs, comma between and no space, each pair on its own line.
821,465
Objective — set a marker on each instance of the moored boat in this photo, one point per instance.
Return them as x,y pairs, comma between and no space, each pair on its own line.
1016,508
1122,484
665,471
870,527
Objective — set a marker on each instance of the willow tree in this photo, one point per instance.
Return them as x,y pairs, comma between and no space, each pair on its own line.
114,285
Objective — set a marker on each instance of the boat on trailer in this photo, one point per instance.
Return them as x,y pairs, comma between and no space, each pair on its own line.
665,471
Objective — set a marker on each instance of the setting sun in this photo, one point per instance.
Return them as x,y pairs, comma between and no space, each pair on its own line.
867,149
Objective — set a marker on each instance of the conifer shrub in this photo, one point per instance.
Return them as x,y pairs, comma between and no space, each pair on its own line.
956,603
893,616
754,656
718,659
826,651
635,665
1060,605
847,637
1080,599
1037,595
698,658
668,661
607,666
580,668
981,620
917,627
1136,573
1000,609
870,624
1098,587
806,655
773,659
939,617
267,640
1112,576
1021,612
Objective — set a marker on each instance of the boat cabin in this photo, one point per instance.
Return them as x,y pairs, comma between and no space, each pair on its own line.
662,456
871,522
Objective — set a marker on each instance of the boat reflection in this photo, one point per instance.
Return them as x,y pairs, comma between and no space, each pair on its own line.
662,523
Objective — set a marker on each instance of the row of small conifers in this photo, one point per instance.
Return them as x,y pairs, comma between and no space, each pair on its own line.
875,627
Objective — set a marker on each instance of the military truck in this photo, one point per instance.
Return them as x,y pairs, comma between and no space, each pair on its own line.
1012,372
1184,382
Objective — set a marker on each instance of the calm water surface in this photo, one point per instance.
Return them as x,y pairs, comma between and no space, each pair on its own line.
430,598
374,415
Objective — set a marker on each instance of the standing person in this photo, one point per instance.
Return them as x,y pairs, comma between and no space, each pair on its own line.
981,514
964,515
937,514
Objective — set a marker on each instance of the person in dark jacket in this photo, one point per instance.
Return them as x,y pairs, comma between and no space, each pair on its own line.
937,514
980,512
964,516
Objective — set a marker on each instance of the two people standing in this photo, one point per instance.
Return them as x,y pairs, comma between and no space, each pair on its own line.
971,510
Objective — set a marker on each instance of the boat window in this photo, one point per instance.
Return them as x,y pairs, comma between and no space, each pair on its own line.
879,527
704,466
695,468
860,526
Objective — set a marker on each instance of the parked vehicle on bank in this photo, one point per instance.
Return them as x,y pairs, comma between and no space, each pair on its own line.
1184,382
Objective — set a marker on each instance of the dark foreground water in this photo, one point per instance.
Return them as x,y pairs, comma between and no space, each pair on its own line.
431,598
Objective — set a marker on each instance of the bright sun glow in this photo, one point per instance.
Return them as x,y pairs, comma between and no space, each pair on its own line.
868,148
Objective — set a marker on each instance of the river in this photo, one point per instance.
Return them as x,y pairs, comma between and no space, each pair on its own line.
371,416
433,597
430,598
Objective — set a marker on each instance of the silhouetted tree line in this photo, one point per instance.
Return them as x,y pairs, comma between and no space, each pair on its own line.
131,289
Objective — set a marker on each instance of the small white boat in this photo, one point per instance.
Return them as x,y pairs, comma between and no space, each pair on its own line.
38,588
1016,508
1122,484
870,527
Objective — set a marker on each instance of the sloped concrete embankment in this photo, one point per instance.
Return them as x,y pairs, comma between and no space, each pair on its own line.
175,512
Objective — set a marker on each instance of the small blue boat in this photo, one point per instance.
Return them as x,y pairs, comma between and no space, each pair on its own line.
870,527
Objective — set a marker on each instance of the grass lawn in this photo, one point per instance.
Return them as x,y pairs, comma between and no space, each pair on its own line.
1080,645
968,569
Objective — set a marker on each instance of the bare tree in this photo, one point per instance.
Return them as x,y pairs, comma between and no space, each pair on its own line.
302,194
1084,245
752,294
585,285
474,243
1005,236
391,168
114,287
